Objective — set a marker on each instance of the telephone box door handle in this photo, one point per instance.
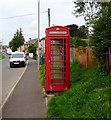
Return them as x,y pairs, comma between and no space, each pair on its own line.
49,61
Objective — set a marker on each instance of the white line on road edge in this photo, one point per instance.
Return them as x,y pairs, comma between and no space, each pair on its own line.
12,89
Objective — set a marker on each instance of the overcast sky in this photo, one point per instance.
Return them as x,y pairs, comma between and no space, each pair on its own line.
60,15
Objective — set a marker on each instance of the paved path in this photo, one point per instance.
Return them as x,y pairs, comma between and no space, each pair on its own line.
27,100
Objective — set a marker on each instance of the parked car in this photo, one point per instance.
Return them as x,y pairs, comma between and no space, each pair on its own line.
17,59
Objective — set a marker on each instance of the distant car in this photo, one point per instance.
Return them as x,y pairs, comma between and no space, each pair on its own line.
17,59
8,51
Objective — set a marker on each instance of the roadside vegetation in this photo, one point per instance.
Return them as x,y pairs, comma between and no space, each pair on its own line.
77,42
88,96
97,16
42,74
2,57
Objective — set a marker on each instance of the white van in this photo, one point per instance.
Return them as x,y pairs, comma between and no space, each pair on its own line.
17,59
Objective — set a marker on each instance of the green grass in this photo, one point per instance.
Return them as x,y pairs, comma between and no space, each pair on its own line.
88,96
42,74
2,57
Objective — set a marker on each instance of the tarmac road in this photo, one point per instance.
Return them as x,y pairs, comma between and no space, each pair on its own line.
9,77
27,100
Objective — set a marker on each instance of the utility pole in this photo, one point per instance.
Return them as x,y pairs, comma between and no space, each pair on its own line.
49,17
38,31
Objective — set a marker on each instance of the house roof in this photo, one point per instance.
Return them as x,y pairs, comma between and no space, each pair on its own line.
31,41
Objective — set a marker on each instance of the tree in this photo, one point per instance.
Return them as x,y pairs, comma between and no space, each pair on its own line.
82,32
73,29
17,40
102,34
32,49
97,15
90,10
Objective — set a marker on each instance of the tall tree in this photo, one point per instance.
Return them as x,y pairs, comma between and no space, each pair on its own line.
90,10
73,29
102,34
17,40
82,32
97,15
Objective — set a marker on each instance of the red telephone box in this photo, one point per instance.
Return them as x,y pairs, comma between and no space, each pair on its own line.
57,58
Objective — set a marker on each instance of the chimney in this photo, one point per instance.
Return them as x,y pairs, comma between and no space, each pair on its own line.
29,39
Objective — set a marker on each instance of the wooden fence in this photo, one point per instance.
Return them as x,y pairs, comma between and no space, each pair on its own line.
108,60
85,57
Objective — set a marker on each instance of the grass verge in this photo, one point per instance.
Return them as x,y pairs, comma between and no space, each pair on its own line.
88,96
42,74
2,57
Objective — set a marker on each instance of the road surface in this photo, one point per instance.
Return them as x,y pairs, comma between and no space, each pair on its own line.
9,77
27,100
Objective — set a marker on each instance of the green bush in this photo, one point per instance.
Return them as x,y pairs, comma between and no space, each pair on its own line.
77,42
88,96
42,74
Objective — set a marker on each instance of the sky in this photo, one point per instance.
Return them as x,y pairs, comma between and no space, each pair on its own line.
11,18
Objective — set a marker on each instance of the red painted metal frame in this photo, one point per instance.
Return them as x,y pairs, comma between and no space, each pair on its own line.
52,34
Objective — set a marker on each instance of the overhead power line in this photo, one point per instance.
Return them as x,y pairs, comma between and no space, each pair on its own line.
19,16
